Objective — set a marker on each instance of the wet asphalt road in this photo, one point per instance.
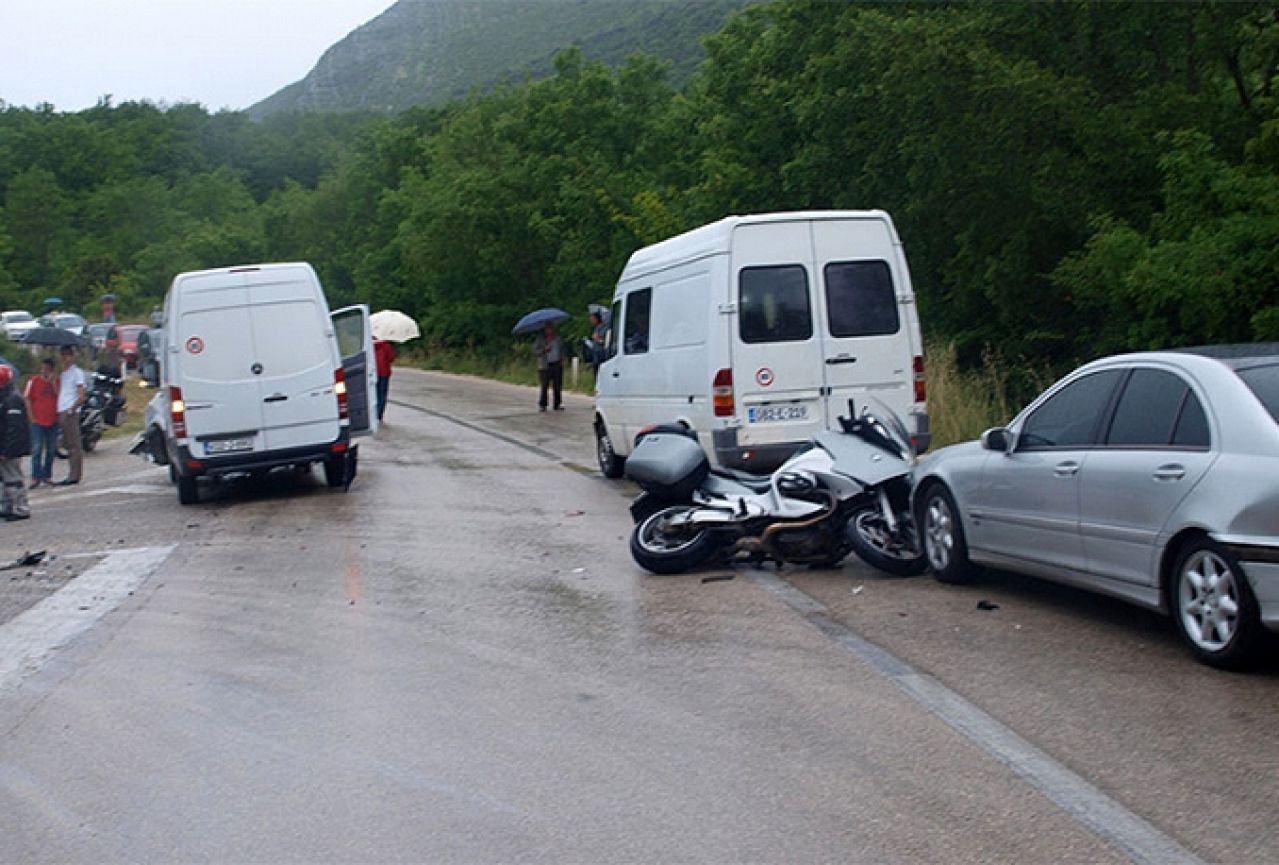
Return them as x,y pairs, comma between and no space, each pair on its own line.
457,661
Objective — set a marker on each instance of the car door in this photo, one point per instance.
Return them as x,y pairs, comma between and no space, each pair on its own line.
355,345
1156,448
1026,505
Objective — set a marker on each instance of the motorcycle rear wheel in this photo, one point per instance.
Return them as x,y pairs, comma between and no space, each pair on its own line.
875,545
659,548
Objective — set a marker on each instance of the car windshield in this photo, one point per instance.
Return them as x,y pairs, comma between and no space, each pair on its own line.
1264,382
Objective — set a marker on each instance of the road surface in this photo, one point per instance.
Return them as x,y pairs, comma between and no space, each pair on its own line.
457,662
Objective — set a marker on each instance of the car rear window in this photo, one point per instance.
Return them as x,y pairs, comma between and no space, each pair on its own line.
1264,382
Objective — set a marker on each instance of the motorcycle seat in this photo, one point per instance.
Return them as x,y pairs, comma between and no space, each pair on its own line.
755,483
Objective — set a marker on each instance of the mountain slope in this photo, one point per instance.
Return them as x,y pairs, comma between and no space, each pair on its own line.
426,52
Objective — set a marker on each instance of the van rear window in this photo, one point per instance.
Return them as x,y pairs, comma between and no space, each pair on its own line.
773,304
860,299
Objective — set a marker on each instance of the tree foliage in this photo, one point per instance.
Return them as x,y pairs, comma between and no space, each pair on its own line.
1069,178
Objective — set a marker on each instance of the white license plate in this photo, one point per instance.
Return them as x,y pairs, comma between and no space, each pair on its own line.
771,413
228,446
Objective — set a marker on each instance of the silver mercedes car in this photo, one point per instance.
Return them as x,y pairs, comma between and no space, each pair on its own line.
1149,477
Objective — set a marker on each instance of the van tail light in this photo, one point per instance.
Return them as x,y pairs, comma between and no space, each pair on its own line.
339,388
722,394
177,412
921,385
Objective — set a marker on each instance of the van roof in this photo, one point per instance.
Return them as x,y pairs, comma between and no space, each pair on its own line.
218,277
716,237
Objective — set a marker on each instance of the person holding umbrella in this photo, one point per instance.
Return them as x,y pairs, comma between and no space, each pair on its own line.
389,327
549,349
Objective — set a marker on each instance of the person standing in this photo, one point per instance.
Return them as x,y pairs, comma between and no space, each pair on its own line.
42,408
15,443
384,354
549,349
72,392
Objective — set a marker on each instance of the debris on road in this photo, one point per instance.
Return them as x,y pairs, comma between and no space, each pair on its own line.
26,560
715,578
984,604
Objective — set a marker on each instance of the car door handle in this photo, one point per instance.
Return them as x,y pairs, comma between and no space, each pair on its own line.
276,397
841,359
1170,472
1066,469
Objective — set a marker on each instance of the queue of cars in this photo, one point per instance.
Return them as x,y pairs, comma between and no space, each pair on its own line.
99,336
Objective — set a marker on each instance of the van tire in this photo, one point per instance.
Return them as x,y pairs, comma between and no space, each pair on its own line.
611,465
188,490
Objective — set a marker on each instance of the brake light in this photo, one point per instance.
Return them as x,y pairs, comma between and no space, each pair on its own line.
722,394
921,386
339,388
177,412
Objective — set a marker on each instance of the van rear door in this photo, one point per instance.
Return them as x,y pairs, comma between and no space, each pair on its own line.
864,298
355,345
777,351
213,351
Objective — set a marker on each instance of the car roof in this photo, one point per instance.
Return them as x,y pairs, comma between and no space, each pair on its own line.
1239,354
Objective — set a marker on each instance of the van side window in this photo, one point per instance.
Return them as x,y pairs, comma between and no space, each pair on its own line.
860,299
773,304
639,305
610,335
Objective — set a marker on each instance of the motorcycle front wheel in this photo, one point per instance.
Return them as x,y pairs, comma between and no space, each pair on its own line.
661,548
897,553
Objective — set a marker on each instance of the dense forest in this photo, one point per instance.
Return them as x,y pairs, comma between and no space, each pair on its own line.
1069,178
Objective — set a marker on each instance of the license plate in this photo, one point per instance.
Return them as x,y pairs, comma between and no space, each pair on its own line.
771,413
228,446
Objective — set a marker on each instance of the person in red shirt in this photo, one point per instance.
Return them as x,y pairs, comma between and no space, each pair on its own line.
384,352
42,408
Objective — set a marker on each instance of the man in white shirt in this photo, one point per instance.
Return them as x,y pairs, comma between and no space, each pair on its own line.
72,391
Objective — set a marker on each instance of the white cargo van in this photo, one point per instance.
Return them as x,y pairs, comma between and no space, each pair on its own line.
755,331
256,373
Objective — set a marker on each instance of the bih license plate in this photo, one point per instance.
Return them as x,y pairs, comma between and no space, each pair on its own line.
228,446
770,413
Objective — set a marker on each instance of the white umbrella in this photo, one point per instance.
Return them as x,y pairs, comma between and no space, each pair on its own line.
393,326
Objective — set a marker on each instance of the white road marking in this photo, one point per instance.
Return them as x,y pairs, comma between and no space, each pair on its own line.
129,489
28,640
1092,808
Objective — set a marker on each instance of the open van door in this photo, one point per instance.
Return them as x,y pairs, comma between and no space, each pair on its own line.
355,345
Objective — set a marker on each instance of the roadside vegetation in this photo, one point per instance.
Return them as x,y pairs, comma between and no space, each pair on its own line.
1069,179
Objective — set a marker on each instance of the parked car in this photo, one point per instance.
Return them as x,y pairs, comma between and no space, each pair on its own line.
16,322
102,335
65,320
129,342
1150,477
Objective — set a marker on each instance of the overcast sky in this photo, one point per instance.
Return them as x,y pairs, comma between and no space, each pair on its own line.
220,53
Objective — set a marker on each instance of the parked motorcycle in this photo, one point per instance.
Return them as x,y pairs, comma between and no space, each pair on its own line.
103,405
848,491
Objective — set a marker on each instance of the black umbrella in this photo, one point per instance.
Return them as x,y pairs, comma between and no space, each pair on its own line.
52,336
534,320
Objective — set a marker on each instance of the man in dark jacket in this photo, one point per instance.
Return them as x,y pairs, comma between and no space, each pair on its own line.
15,443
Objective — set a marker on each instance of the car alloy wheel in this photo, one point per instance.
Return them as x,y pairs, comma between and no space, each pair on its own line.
1208,600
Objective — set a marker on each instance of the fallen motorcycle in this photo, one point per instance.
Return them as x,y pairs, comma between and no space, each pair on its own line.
848,491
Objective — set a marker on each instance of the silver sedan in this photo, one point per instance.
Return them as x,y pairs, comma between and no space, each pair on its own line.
1149,477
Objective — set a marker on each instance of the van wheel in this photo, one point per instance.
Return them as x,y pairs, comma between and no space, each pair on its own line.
188,490
610,463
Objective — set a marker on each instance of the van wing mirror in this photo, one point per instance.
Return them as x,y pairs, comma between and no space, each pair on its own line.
997,439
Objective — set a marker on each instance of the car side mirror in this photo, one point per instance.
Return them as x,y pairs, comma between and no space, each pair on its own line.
997,439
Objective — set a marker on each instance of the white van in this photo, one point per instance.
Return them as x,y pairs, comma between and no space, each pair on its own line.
256,373
756,331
